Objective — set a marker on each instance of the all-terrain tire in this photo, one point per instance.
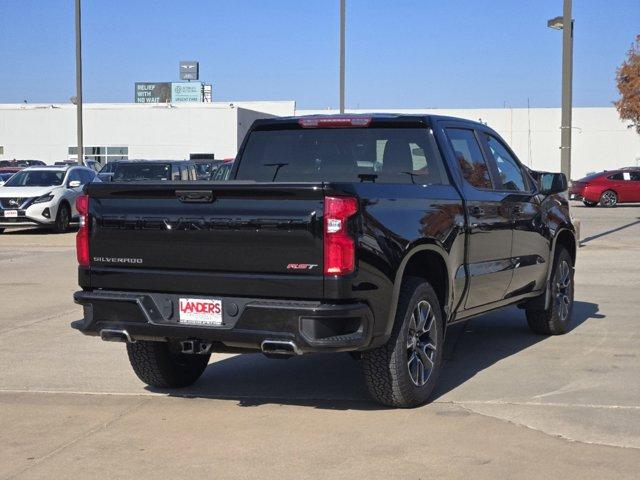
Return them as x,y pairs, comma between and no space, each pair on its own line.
157,366
63,219
556,320
387,368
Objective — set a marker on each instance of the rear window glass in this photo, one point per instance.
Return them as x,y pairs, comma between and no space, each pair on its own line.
383,155
135,172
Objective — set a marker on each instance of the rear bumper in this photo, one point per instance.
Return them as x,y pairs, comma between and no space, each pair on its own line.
313,326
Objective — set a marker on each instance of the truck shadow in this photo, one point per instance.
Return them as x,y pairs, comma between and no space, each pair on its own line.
335,382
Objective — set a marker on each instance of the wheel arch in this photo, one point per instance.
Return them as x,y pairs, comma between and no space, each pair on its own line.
64,202
566,238
429,263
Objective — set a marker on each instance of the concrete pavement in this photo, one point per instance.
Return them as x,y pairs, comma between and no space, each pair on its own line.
510,404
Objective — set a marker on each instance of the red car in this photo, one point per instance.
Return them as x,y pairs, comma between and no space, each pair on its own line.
608,188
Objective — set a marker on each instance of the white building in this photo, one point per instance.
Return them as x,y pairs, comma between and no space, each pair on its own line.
130,130
173,131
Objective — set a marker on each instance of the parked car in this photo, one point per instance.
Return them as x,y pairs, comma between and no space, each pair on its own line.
222,172
42,197
106,172
314,248
21,163
154,170
11,169
608,188
92,164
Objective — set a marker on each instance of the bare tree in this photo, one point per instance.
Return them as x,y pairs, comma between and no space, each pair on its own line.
628,80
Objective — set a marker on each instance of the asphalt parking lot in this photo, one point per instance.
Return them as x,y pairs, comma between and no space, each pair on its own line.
510,404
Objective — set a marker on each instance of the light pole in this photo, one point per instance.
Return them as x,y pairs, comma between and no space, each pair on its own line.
79,83
565,23
342,29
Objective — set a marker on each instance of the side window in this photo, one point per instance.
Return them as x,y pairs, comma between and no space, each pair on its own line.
192,173
175,172
635,176
74,175
86,176
184,172
405,157
469,157
621,176
508,169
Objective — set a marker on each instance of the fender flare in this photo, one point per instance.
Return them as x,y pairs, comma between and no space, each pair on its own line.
544,301
397,284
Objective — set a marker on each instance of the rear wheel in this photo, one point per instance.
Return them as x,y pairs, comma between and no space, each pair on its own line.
63,219
589,204
404,371
609,199
1,230
556,319
156,365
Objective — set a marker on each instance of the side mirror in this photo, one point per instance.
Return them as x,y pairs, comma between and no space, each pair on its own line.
552,183
74,184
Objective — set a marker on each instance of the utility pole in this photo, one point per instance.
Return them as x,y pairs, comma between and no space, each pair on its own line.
567,90
79,83
565,23
342,31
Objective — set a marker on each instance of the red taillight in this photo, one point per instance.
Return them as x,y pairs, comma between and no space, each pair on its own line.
334,122
339,246
82,238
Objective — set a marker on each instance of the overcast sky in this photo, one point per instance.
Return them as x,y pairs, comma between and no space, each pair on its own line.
401,53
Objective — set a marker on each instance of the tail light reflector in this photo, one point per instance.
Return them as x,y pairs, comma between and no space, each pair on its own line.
82,237
339,245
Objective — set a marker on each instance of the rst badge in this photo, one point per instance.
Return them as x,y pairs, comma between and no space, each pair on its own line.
200,311
301,266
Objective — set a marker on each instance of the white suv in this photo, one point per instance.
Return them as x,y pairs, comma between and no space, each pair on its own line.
43,197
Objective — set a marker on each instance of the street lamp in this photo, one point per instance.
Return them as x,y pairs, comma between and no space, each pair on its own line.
78,97
559,23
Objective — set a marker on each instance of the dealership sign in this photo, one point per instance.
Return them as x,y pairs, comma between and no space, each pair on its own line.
189,70
166,92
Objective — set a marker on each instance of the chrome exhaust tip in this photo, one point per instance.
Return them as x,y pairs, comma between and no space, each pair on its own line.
280,347
114,335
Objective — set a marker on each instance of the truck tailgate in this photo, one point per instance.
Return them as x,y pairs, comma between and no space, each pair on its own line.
230,228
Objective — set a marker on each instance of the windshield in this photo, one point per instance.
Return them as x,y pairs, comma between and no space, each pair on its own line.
135,172
36,178
383,155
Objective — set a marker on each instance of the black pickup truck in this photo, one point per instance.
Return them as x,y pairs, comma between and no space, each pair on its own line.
364,234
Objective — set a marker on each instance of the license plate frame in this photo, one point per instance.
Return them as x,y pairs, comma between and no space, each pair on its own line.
203,312
10,214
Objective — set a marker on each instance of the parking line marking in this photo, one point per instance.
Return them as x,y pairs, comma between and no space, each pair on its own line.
280,397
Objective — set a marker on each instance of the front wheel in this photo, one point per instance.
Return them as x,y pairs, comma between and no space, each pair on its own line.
63,219
556,320
156,365
609,199
404,371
